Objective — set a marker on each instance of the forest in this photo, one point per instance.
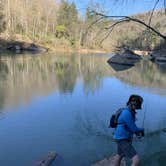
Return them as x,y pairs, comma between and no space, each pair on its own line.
58,24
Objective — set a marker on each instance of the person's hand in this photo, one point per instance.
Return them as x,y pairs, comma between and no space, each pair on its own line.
140,133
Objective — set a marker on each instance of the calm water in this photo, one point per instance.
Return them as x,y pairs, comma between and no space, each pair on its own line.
63,103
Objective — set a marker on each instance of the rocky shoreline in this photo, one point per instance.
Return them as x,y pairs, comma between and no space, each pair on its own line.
128,58
19,47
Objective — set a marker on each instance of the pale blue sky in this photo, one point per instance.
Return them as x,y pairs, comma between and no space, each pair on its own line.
120,7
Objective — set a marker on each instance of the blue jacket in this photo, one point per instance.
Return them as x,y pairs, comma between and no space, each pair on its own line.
127,126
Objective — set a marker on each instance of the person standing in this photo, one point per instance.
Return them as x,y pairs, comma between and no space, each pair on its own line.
125,130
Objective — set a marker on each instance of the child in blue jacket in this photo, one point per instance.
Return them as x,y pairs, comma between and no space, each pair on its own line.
125,130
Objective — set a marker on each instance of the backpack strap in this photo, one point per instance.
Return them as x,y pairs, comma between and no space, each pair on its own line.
117,114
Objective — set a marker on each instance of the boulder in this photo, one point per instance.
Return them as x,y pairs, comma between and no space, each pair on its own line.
33,47
160,59
155,56
126,59
14,47
128,54
161,62
122,60
21,47
109,162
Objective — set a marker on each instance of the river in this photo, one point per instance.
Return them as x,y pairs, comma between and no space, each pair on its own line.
63,103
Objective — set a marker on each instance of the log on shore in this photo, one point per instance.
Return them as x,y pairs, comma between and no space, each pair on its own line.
142,53
108,162
48,160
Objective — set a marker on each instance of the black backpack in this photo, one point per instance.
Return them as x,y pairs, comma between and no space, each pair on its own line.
114,118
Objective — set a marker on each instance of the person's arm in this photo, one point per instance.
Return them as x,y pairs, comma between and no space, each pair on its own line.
129,121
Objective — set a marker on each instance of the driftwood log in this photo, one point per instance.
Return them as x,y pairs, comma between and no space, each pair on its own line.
48,160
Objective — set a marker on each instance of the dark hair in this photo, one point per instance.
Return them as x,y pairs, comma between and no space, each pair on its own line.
135,100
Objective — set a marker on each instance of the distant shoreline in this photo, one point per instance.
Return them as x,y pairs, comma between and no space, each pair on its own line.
17,45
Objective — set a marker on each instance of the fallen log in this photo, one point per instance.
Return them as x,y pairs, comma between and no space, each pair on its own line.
142,53
48,160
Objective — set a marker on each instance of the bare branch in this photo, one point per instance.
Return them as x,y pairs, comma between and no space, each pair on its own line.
111,29
90,26
150,19
107,35
118,22
94,22
127,18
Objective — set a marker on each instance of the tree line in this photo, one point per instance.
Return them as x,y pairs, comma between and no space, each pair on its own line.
59,24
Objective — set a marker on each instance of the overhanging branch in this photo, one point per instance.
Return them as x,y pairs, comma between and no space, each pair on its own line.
150,19
110,28
127,19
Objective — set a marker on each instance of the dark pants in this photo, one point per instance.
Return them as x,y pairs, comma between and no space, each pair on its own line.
125,148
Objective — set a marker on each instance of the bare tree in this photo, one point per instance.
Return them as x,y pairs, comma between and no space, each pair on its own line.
121,19
117,20
32,18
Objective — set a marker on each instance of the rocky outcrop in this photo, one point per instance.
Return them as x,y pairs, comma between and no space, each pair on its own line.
108,162
21,47
159,57
124,60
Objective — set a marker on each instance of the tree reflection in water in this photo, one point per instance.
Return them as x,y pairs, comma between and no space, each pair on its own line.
23,77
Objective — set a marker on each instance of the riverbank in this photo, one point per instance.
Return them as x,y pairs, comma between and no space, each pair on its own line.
19,44
79,50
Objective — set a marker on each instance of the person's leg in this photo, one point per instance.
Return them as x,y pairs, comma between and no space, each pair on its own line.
135,160
118,157
117,160
128,150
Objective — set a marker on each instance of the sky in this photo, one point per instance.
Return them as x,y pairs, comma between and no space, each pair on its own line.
120,7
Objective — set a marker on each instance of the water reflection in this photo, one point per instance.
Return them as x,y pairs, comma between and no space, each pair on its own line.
162,68
118,67
144,74
22,77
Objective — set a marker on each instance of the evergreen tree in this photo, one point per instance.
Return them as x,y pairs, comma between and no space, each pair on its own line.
73,13
63,16
67,20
